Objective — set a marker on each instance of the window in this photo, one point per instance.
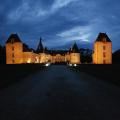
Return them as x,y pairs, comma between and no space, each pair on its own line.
104,39
104,61
12,48
104,47
13,55
104,54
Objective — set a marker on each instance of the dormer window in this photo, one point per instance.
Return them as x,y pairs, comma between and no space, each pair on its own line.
104,39
12,40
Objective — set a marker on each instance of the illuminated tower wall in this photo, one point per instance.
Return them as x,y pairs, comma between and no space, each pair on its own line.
102,50
74,55
14,50
75,58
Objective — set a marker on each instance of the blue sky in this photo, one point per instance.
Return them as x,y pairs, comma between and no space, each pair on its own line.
60,22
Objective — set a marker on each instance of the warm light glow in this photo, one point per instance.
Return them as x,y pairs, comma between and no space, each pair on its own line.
47,64
75,65
102,53
70,64
18,56
75,58
29,60
36,60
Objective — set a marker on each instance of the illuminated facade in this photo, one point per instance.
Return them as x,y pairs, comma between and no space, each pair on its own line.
14,50
102,50
19,53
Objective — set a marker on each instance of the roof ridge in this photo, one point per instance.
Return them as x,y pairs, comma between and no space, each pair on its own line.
13,38
103,37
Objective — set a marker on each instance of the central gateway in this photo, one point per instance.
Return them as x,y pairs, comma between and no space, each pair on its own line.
71,56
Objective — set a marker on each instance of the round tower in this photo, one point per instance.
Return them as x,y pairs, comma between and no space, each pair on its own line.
74,55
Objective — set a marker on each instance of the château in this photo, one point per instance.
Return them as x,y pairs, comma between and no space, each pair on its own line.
102,53
19,53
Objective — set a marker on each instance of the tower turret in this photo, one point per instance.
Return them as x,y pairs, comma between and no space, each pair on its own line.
14,50
41,52
102,50
40,48
74,55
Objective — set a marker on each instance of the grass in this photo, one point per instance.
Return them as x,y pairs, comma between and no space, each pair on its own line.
110,73
10,74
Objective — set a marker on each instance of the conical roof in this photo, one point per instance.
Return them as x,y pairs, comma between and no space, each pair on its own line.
13,38
75,48
103,37
40,47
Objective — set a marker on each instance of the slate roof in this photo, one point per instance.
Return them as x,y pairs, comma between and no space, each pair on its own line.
27,49
40,47
54,52
75,48
13,38
103,37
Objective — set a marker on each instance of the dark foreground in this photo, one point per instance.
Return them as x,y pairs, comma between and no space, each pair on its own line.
10,74
108,73
59,93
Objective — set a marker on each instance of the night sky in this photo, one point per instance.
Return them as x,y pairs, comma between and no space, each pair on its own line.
60,22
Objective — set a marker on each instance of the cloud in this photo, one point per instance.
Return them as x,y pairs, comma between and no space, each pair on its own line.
80,33
60,21
61,3
26,12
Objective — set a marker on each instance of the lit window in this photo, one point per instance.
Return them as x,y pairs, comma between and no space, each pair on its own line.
13,55
104,54
12,48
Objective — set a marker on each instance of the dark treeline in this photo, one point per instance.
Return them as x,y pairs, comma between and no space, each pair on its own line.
86,55
2,55
116,57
